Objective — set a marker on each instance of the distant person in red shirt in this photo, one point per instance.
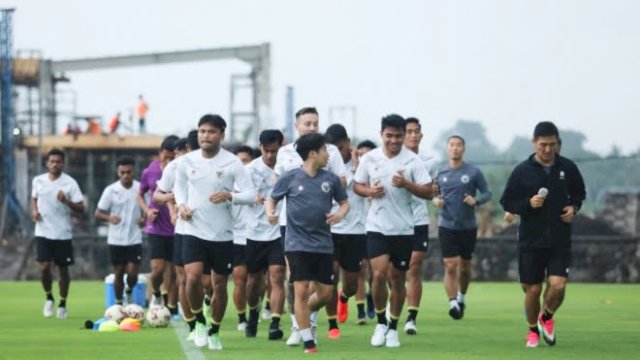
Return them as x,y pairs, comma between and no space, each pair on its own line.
114,123
142,110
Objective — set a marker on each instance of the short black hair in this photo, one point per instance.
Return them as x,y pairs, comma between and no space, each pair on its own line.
181,144
125,160
244,148
271,137
56,152
306,110
214,120
545,128
394,121
309,142
335,133
169,143
413,120
192,137
457,137
366,143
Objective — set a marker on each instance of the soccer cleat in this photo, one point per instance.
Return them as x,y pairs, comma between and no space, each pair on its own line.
334,334
343,309
62,313
410,328
201,335
311,350
250,329
47,311
462,306
275,334
192,335
532,339
371,310
214,342
265,314
392,339
378,339
455,313
295,338
156,300
242,326
362,319
546,328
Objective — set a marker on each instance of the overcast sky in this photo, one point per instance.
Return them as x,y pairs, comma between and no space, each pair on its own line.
506,63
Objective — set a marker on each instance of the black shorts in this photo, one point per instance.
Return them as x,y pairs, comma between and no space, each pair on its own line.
455,243
218,255
177,250
58,251
121,255
308,266
161,247
536,265
262,254
349,250
398,247
421,238
239,255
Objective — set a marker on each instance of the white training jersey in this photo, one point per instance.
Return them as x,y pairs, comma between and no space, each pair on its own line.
167,183
354,222
197,179
56,216
391,214
264,179
419,206
289,159
122,202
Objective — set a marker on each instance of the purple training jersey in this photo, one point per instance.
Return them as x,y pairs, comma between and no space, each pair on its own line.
148,182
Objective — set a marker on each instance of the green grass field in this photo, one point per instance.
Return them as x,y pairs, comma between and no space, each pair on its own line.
596,322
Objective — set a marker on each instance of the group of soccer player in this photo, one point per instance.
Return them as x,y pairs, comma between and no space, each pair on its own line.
293,221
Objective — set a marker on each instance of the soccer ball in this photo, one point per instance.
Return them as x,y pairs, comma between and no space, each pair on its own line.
158,316
134,311
115,313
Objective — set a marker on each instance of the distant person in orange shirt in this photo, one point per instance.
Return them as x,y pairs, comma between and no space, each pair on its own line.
114,123
93,126
141,110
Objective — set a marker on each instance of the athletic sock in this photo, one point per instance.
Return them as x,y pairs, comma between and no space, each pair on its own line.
63,302
275,321
215,328
191,323
453,303
207,300
118,301
242,317
165,297
267,305
460,297
547,315
534,328
173,309
314,317
157,294
333,323
382,316
129,291
199,316
393,324
50,296
361,312
413,314
343,298
307,337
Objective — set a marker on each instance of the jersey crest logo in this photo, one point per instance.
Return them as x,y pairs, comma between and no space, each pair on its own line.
325,186
219,173
465,179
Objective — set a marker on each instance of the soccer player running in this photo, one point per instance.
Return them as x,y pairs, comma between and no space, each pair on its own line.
119,207
390,175
164,194
204,193
421,228
239,274
265,250
349,238
546,190
462,187
307,122
310,191
159,229
54,196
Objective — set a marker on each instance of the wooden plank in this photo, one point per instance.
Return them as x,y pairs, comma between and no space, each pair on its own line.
94,142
